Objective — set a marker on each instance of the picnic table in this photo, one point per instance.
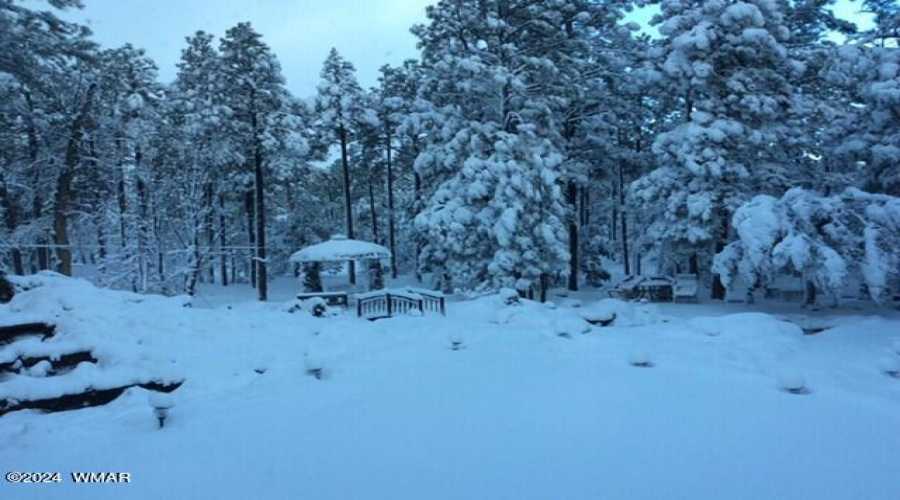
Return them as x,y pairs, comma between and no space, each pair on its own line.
638,287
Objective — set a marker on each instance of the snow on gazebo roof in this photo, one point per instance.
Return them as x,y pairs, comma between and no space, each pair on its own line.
340,248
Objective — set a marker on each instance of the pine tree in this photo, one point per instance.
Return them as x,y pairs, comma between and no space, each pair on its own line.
338,103
728,63
496,215
254,92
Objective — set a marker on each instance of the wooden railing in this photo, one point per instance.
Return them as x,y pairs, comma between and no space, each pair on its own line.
389,303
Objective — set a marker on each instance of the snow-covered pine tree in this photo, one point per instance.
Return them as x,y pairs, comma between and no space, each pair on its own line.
46,73
198,159
254,93
340,108
394,100
727,62
870,133
594,87
496,215
128,101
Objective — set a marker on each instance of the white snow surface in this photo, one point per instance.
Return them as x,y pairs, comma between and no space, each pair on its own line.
520,413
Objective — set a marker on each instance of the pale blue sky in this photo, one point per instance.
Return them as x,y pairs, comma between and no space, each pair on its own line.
369,33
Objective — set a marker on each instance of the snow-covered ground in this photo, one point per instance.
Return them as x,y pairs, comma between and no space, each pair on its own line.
530,408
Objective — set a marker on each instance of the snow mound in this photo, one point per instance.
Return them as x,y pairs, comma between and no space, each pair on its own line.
620,313
743,324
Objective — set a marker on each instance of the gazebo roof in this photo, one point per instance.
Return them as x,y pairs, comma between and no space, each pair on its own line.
340,248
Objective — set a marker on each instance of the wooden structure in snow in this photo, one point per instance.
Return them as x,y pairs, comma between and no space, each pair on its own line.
686,288
21,356
341,249
639,287
388,303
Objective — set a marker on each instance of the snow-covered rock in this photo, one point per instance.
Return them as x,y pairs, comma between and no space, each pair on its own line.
792,382
619,313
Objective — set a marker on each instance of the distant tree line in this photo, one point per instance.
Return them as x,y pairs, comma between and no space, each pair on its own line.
533,144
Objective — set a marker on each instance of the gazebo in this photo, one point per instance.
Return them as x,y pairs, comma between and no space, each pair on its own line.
340,249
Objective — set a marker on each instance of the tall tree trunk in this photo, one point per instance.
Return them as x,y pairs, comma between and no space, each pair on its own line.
223,266
193,276
718,288
64,185
123,206
348,207
143,222
811,295
251,233
43,253
210,201
418,197
624,223
545,285
573,239
390,199
262,278
584,214
375,236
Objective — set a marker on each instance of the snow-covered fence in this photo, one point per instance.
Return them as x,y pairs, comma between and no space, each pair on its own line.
388,303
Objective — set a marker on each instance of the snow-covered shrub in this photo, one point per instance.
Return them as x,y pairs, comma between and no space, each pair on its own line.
509,296
822,237
640,359
793,382
292,306
565,325
316,306
620,313
315,365
595,274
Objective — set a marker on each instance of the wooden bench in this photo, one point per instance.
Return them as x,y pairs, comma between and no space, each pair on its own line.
685,288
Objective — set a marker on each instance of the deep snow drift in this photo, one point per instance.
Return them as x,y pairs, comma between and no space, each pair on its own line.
527,401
